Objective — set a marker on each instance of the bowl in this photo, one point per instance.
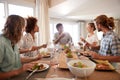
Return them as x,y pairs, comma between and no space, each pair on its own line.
81,72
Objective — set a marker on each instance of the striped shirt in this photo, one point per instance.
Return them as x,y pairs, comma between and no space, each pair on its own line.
110,44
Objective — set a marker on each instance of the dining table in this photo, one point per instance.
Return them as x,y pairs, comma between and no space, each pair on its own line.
65,73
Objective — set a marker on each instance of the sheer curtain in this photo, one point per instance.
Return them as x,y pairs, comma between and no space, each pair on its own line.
43,21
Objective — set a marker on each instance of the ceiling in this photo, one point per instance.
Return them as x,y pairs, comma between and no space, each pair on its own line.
84,9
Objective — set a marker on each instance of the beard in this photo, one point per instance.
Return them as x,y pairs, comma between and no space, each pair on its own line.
99,29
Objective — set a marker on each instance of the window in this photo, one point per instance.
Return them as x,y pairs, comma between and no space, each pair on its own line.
13,9
20,10
73,28
2,16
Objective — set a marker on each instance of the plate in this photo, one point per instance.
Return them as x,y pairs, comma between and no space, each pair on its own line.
58,79
104,66
46,66
46,56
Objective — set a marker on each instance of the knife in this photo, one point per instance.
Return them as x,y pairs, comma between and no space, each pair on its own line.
30,74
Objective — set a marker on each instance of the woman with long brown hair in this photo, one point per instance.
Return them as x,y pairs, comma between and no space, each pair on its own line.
10,61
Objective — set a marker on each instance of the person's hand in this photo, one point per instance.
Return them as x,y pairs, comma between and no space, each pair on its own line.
27,66
82,39
38,57
94,54
87,44
34,48
80,43
44,45
62,35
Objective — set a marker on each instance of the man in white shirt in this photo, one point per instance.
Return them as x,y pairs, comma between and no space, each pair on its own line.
61,37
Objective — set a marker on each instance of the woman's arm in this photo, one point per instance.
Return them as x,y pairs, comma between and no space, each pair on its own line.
24,51
6,75
30,59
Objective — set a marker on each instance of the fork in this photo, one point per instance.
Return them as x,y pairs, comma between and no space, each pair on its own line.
30,74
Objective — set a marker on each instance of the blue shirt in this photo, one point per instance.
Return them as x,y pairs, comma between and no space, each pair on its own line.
110,44
9,57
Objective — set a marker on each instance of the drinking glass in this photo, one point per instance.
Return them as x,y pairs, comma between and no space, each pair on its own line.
54,65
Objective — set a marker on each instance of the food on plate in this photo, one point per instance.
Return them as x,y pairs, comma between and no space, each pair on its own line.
67,49
80,65
38,66
102,66
45,54
69,55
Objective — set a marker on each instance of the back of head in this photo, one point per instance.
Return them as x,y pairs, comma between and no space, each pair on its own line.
105,21
13,28
58,25
31,22
92,25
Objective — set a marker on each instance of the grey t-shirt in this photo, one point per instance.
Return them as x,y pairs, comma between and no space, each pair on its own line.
64,40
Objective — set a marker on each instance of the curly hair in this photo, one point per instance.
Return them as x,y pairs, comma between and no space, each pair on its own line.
31,22
105,21
13,28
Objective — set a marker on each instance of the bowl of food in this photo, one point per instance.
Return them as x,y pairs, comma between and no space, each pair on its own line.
81,68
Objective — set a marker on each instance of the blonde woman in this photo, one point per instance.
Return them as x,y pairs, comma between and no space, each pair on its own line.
10,61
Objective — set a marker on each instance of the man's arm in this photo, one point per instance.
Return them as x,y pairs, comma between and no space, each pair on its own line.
110,58
58,39
100,57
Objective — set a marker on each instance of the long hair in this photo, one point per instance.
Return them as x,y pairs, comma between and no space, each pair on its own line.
105,21
13,28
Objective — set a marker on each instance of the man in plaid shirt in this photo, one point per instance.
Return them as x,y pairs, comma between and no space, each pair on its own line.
110,43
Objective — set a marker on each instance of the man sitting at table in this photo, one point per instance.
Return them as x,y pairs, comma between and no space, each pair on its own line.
61,37
110,43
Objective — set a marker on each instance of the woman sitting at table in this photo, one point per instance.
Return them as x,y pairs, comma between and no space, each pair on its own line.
91,40
27,45
10,61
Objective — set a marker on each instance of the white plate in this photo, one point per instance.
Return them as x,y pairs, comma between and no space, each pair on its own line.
58,79
45,65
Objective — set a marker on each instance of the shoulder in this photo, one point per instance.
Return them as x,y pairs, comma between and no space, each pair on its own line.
3,41
27,36
66,33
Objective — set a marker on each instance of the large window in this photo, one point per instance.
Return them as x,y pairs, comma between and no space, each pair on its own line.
20,10
73,28
2,16
13,9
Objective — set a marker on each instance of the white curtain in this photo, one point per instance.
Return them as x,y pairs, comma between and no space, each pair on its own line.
117,25
43,21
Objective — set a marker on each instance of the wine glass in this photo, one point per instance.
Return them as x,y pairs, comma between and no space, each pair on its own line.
54,65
